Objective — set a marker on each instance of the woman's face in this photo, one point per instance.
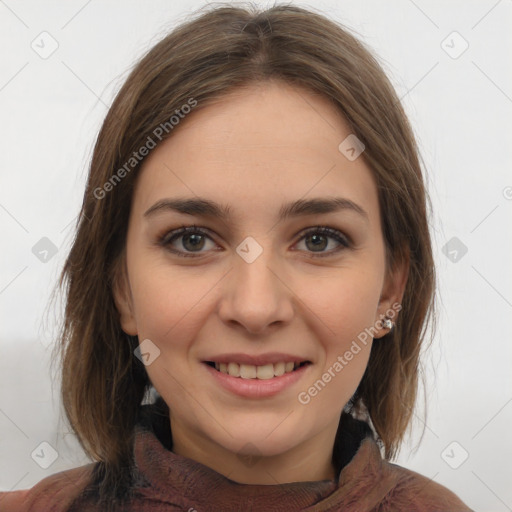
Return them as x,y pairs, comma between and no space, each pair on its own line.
262,284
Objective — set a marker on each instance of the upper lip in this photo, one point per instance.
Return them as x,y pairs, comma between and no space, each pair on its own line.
257,360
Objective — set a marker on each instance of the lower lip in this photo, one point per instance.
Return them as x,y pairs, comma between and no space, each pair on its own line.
257,388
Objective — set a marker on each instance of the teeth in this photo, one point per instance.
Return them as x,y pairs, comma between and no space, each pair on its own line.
279,369
265,372
249,371
234,369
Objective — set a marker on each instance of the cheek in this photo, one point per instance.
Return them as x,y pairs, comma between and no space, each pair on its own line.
343,307
344,303
169,310
167,300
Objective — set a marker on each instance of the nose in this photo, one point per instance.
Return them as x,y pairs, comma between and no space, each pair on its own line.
256,296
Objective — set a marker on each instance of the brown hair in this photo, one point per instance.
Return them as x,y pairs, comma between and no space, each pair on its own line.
207,56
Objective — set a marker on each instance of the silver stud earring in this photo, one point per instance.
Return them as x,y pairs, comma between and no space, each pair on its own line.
387,323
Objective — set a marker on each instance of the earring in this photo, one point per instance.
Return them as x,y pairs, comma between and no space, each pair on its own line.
388,323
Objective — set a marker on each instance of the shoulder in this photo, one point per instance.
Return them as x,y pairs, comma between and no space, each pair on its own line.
388,487
54,493
413,491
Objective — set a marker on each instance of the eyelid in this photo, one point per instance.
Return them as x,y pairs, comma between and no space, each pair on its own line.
344,240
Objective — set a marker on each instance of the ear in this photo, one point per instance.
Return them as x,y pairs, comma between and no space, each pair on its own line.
123,298
392,292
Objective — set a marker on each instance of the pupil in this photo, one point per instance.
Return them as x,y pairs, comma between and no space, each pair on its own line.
196,240
318,240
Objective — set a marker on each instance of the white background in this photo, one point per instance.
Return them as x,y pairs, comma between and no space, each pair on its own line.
51,110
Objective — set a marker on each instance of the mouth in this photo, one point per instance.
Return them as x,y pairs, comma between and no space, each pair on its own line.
264,372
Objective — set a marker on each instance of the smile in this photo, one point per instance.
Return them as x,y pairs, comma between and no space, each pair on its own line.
249,371
257,381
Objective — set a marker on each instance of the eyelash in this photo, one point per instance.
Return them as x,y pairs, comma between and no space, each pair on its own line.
166,239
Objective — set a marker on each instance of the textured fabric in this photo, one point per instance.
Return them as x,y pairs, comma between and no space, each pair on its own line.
163,481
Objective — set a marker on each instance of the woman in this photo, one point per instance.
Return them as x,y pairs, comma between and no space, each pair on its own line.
252,252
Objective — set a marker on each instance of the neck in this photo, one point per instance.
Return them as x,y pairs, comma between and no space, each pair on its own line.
309,461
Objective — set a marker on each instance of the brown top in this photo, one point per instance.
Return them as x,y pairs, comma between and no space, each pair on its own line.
164,481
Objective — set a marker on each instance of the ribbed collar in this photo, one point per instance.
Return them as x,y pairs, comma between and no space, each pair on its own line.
166,476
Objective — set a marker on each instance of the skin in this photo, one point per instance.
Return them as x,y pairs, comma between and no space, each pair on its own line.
255,149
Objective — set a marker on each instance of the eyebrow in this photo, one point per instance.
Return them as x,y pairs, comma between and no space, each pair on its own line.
206,208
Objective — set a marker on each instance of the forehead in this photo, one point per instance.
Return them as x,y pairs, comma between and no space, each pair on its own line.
262,145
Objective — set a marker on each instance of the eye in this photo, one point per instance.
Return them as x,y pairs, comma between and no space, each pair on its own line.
193,240
318,238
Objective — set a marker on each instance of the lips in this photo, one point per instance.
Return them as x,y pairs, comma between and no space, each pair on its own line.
257,385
